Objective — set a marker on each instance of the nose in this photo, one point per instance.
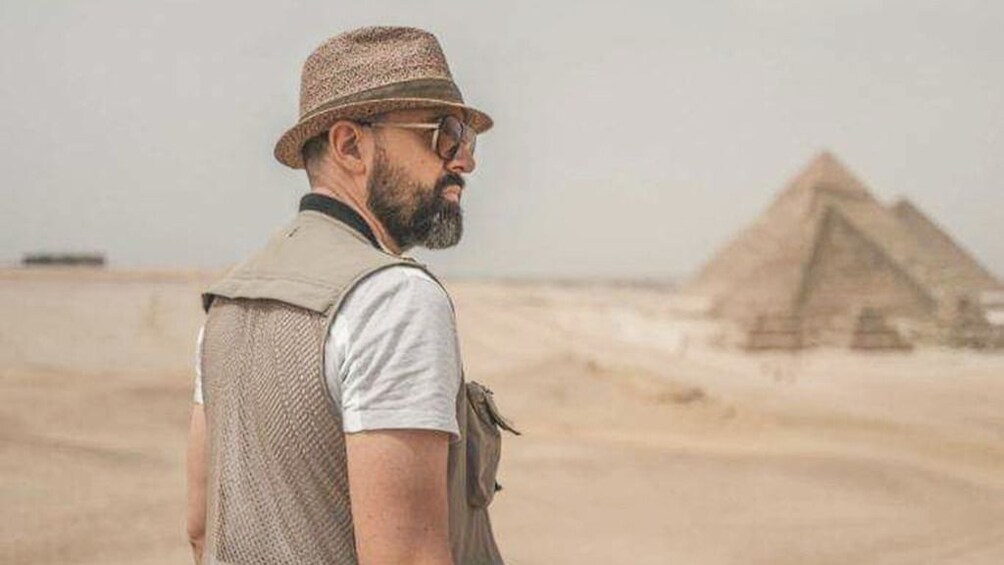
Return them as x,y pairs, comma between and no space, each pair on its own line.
463,161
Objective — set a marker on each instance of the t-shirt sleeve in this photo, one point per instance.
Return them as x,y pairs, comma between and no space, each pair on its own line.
197,392
397,355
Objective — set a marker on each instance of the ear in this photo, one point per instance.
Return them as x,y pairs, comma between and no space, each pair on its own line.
347,146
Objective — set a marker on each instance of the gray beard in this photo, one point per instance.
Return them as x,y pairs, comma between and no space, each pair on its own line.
446,226
414,214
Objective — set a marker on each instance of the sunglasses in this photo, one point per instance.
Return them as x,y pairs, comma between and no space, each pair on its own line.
449,134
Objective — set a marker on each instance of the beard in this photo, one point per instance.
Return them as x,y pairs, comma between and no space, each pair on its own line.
413,213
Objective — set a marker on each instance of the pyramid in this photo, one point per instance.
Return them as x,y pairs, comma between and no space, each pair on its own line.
826,248
944,249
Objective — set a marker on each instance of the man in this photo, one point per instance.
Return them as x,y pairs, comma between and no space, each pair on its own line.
332,421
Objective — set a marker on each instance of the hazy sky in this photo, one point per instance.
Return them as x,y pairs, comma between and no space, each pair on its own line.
632,138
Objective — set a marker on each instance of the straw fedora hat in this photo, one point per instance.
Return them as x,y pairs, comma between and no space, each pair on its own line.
369,71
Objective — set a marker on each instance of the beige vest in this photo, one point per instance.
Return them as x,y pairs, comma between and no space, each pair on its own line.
277,480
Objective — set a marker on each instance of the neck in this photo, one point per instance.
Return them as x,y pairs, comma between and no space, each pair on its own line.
354,201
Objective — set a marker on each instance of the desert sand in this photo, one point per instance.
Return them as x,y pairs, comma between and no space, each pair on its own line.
645,440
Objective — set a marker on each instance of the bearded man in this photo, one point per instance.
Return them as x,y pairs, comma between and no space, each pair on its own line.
332,421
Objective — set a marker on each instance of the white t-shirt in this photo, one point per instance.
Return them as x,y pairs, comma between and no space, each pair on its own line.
391,358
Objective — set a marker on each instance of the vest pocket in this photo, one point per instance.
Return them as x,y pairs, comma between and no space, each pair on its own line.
484,444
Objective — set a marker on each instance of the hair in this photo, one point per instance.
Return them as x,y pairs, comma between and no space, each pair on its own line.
313,150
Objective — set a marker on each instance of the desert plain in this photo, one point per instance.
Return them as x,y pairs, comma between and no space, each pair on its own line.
647,437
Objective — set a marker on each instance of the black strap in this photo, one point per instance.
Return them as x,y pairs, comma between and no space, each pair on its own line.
339,211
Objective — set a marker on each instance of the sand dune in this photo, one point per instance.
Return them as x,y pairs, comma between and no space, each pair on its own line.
643,442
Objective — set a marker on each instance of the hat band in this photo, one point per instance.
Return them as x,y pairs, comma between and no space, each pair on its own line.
433,89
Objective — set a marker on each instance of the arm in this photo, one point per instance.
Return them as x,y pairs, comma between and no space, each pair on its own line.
394,338
196,474
397,485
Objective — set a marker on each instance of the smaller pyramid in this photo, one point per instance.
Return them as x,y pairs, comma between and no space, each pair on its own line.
949,255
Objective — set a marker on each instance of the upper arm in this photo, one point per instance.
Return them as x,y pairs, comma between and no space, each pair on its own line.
397,486
392,358
195,461
196,478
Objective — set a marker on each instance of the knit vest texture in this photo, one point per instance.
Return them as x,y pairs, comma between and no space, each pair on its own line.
277,488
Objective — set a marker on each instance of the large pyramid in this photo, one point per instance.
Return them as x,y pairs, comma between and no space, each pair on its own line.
826,249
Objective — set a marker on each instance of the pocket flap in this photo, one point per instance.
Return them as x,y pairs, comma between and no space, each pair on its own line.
497,416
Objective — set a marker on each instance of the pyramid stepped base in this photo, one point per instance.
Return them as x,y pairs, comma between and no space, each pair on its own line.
775,332
880,341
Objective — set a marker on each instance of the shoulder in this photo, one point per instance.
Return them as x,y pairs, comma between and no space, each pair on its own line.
398,287
403,277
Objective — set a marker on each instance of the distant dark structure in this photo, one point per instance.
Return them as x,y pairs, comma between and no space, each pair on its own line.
979,324
63,260
873,333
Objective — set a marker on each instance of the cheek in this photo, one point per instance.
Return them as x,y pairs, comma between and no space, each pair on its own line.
427,171
421,163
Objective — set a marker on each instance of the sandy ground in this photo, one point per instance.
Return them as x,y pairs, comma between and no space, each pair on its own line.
642,442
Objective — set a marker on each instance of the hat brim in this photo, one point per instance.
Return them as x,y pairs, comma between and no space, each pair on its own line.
288,150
